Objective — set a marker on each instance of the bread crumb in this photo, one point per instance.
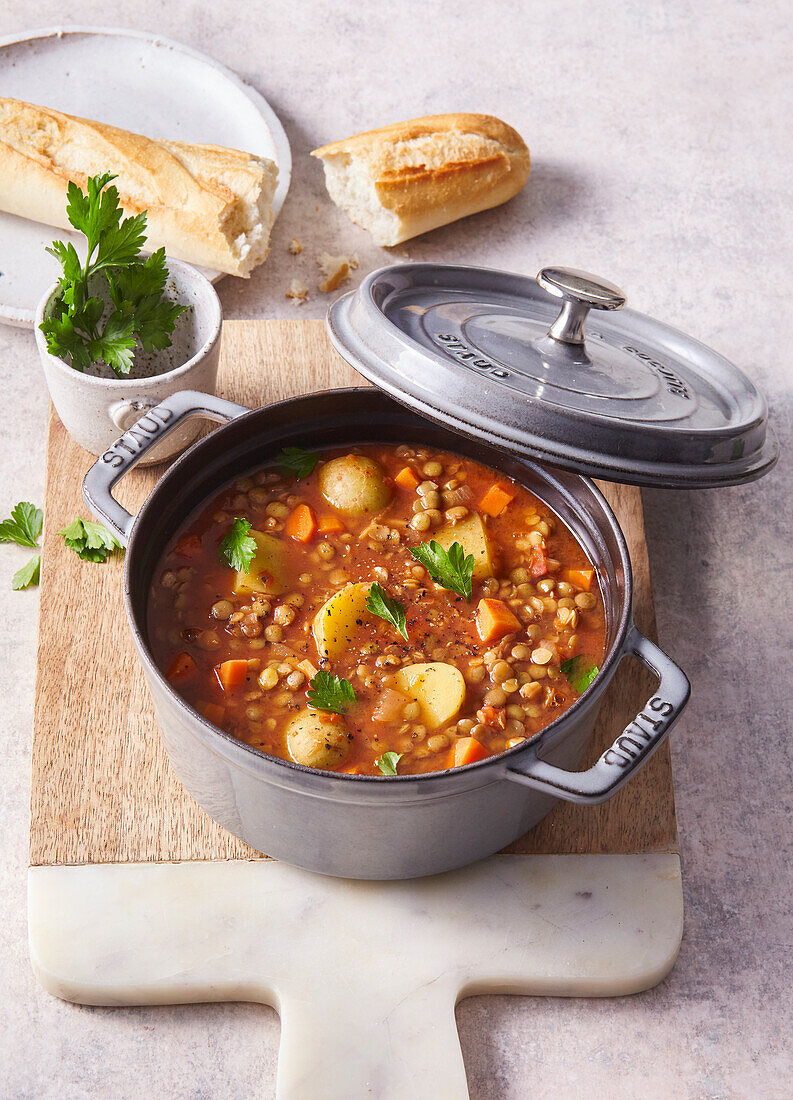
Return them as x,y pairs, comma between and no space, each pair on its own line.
335,269
297,291
295,247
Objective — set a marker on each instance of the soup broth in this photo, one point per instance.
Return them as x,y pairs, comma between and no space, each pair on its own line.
377,610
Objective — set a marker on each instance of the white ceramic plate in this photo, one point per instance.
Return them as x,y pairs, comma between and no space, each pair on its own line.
140,82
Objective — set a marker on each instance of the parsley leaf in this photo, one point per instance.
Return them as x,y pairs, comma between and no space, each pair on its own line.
329,692
300,462
29,574
94,210
66,255
116,344
380,603
580,672
90,541
451,570
154,320
388,761
135,286
63,339
90,314
119,246
24,526
239,546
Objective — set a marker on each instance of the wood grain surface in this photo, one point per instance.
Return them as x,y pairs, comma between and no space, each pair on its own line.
101,788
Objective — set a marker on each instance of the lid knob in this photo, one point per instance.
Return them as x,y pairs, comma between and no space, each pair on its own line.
580,292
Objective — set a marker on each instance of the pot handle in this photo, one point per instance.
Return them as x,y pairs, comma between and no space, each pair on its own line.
136,441
634,746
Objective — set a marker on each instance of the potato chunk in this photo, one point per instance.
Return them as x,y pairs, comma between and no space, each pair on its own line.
268,571
472,536
337,621
317,740
354,485
438,688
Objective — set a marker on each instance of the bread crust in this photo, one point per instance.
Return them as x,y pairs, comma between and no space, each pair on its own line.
477,162
201,201
486,126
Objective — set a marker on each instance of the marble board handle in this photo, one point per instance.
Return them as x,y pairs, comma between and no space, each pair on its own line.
364,975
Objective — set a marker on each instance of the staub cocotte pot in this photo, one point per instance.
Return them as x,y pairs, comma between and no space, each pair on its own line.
496,367
364,826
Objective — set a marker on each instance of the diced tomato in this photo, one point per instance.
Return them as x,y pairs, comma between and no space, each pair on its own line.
492,716
213,713
389,706
181,667
538,563
188,546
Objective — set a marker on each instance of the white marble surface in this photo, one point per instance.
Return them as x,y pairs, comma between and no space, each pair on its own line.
361,1013
663,160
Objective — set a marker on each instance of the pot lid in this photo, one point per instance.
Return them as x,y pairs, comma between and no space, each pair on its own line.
556,369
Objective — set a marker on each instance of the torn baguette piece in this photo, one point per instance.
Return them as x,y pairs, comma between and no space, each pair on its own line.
335,270
414,176
297,291
207,205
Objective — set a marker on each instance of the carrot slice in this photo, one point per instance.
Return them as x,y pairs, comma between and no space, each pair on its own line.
467,750
181,667
581,578
213,713
231,674
407,478
302,524
328,524
494,619
188,546
497,497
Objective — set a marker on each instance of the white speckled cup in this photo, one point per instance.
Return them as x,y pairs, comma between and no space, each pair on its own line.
95,410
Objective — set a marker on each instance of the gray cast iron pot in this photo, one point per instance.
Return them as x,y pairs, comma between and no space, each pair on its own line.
365,826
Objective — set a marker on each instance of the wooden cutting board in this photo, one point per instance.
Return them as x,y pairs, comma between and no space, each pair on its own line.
102,791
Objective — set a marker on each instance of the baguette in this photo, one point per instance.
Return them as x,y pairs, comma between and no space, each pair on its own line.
207,205
414,176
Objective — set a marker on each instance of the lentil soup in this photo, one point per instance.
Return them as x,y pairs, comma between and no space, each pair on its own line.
377,610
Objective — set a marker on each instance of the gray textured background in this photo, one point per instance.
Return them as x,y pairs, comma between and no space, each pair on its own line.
660,134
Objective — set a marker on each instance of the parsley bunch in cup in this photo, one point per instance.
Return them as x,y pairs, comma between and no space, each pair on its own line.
112,303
